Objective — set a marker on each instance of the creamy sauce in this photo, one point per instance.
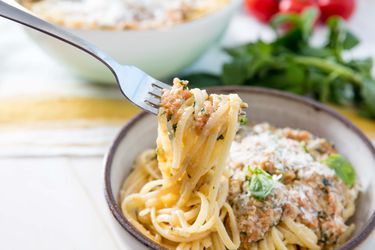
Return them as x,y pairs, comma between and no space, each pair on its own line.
308,192
122,14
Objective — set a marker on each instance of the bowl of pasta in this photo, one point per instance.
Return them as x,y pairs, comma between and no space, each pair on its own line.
241,168
159,37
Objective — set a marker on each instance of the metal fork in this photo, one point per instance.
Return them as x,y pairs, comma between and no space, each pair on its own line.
137,86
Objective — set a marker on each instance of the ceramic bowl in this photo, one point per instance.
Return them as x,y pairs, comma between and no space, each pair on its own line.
160,53
278,108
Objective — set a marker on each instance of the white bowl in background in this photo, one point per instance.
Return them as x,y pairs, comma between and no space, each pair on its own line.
160,53
278,108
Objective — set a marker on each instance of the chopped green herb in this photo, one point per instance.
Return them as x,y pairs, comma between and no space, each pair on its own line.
157,151
248,178
221,137
174,127
324,238
326,182
304,146
261,183
243,234
243,119
249,169
342,167
155,156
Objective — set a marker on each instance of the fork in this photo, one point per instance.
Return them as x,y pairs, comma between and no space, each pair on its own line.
137,86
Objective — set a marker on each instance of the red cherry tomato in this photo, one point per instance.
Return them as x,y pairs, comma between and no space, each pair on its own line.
343,8
263,10
295,6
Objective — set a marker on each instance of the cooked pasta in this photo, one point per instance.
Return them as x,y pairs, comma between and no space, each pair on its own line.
177,197
213,185
308,204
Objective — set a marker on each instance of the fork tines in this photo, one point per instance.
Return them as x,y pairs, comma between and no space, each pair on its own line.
155,94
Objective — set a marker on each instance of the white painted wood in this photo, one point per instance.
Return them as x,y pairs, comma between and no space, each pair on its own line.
53,204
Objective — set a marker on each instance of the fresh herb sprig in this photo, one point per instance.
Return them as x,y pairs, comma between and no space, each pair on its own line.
261,183
292,64
342,167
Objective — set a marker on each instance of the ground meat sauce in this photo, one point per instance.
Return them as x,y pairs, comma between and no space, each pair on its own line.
204,114
255,218
308,191
173,99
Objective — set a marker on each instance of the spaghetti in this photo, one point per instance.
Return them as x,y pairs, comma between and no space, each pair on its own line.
211,185
177,196
308,205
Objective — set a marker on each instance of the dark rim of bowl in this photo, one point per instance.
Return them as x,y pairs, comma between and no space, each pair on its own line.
117,213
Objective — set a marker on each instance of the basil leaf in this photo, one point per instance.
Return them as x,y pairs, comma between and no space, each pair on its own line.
341,92
293,62
261,183
361,65
281,19
342,167
308,18
200,80
368,94
350,41
233,73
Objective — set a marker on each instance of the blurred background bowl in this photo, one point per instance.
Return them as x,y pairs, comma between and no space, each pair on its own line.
160,53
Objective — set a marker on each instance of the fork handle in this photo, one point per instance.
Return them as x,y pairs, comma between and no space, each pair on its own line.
22,17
